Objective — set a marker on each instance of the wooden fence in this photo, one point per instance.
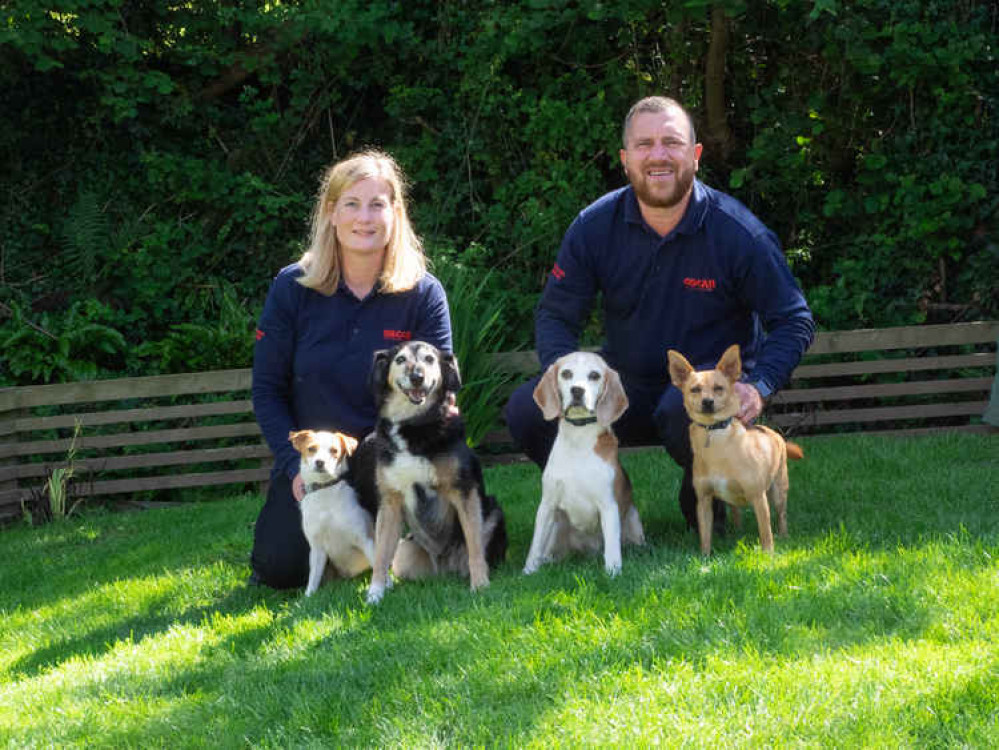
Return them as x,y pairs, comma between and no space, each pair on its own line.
139,436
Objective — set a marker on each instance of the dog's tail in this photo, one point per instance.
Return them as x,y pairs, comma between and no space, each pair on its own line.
794,450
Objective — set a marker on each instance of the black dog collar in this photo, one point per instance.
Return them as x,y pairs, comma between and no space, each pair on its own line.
581,422
321,485
717,425
709,428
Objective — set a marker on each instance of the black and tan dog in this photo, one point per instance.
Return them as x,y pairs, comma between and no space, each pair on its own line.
419,467
734,463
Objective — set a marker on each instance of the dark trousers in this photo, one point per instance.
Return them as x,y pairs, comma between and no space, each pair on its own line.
280,556
653,416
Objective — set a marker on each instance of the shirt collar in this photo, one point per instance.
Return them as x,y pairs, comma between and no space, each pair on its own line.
692,219
343,289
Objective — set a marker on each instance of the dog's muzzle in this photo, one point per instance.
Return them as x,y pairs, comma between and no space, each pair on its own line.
576,412
415,388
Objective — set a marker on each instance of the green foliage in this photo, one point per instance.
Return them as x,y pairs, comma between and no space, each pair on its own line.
476,306
156,149
74,346
226,342
54,505
85,239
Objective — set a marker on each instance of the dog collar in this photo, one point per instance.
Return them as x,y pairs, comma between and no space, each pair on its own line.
718,425
316,486
709,428
581,422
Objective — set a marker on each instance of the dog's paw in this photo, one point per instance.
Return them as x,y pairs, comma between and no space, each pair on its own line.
375,594
613,569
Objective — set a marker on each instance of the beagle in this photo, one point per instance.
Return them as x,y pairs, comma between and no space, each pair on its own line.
335,524
586,497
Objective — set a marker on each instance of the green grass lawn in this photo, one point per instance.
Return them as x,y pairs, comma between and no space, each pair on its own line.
876,624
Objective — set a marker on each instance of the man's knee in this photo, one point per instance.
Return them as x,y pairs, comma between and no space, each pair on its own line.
673,425
527,425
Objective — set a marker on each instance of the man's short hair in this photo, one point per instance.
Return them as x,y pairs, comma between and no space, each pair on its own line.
656,104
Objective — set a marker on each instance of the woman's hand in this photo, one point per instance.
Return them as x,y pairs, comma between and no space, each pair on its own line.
298,487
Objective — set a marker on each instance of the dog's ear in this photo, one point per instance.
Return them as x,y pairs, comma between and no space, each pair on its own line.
449,372
299,439
613,401
546,393
347,444
379,373
679,368
730,363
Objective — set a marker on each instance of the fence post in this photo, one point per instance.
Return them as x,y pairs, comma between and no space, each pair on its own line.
9,460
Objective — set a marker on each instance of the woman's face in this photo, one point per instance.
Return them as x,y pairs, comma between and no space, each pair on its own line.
363,217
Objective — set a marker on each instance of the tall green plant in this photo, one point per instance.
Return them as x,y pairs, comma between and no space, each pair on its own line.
478,333
51,502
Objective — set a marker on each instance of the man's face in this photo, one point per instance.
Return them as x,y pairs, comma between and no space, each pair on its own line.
659,158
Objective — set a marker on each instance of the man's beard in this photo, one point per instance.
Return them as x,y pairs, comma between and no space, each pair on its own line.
683,178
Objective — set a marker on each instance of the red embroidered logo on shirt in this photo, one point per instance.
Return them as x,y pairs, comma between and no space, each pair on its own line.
700,285
397,335
558,273
259,334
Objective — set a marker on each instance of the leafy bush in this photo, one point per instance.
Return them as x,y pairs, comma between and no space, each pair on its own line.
155,150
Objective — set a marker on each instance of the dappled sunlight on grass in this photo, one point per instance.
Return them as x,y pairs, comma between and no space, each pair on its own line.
107,613
747,699
851,634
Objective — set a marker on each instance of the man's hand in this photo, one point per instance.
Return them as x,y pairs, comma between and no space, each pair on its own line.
750,403
298,487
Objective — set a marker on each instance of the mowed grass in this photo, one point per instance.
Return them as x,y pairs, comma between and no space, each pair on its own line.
876,624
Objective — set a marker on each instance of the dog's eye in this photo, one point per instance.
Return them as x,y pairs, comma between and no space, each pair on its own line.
566,374
400,360
695,389
429,359
312,449
594,375
718,389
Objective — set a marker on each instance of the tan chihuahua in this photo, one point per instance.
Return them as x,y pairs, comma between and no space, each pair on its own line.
737,464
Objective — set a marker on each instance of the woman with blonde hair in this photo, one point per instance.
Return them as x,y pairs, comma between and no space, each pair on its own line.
360,286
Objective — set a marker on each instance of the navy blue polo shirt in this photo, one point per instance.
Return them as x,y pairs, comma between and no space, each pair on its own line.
313,355
719,278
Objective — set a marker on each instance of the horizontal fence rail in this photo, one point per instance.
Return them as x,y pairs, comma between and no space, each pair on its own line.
157,434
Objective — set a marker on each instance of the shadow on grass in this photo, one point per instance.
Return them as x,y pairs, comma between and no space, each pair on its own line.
432,656
433,661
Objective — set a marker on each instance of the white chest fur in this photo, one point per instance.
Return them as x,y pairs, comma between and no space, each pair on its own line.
407,470
577,480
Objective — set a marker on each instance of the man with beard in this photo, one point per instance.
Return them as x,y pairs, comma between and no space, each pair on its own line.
678,265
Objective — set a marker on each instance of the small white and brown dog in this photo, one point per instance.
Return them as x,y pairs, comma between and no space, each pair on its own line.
336,526
586,500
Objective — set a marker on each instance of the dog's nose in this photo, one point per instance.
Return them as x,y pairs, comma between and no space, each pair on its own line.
577,393
707,405
320,465
416,378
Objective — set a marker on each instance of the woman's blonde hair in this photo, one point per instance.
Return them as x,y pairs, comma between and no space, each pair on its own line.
404,263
